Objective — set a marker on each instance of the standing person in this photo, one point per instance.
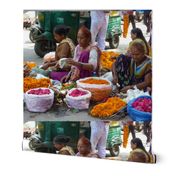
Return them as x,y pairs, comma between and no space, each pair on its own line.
147,19
99,134
137,146
132,18
99,25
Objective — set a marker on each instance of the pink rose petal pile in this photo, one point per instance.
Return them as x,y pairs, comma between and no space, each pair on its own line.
39,91
77,92
143,104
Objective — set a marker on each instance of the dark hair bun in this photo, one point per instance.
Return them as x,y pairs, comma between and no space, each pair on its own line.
61,30
61,139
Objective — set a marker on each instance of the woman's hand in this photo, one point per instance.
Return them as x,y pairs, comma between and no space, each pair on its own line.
115,80
124,90
45,66
71,61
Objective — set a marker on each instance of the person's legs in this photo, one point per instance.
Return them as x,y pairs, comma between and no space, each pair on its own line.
102,34
95,136
132,21
102,142
131,129
94,29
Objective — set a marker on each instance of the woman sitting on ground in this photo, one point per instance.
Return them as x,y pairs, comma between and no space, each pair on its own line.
84,148
133,71
86,59
65,49
138,153
60,144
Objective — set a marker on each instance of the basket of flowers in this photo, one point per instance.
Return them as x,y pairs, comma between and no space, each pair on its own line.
140,108
100,88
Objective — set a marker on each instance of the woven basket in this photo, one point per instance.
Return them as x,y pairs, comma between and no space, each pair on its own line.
99,91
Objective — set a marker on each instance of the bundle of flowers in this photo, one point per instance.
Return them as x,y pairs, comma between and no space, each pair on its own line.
108,108
125,135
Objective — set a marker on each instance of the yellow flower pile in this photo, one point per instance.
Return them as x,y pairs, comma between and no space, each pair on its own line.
30,65
31,83
110,107
106,59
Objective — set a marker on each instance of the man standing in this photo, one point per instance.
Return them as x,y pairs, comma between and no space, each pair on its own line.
99,134
99,24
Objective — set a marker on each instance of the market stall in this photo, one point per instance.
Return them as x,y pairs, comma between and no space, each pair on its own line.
87,99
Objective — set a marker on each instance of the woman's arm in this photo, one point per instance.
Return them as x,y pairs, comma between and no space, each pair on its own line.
90,66
143,85
147,82
115,78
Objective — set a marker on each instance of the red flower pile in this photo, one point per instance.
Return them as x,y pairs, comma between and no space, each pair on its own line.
143,104
77,92
39,91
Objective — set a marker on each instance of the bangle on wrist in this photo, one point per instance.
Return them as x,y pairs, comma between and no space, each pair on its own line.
81,65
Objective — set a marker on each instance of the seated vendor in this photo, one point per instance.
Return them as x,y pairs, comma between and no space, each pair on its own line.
84,148
65,49
60,144
86,59
133,71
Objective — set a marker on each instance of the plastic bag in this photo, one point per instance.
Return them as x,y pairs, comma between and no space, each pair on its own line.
62,62
134,93
99,91
49,57
39,103
80,102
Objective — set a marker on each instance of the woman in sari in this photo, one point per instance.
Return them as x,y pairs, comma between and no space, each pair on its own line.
65,49
138,153
84,148
86,59
135,70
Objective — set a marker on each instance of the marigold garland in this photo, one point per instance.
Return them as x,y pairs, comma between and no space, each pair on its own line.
30,83
106,59
94,81
125,25
125,135
111,106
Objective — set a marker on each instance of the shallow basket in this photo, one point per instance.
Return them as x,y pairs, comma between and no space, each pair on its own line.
99,91
137,115
39,103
